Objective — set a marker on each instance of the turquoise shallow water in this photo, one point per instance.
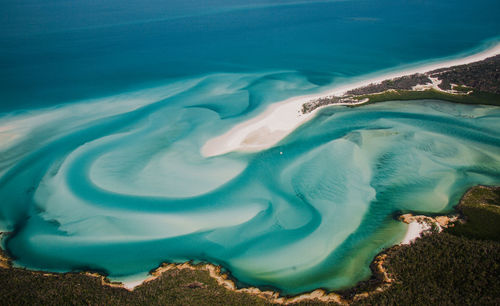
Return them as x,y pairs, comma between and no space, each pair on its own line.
113,179
121,190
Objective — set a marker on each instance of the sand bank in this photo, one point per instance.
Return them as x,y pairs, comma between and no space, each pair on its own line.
281,118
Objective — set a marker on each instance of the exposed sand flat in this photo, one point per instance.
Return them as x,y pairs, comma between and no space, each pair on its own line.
415,230
419,225
262,131
281,118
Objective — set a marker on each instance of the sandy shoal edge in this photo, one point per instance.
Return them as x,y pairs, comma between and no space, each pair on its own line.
222,279
420,225
281,118
415,230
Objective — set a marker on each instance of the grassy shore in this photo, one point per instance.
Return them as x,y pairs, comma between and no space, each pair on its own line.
476,97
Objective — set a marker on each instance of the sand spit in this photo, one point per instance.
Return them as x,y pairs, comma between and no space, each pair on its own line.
281,118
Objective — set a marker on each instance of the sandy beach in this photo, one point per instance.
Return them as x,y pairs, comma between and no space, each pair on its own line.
415,230
281,118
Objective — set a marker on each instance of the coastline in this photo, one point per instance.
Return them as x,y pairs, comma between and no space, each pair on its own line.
380,280
390,271
419,225
224,280
281,118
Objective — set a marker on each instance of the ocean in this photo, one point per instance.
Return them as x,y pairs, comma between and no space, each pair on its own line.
105,105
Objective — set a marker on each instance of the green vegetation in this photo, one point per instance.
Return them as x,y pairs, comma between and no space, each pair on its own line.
476,97
186,287
460,266
481,209
462,88
442,269
482,78
406,82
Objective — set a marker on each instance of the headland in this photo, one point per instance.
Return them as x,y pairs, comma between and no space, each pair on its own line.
471,79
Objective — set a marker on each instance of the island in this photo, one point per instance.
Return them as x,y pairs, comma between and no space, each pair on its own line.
451,259
474,83
472,79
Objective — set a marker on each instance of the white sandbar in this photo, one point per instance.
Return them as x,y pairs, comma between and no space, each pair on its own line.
281,118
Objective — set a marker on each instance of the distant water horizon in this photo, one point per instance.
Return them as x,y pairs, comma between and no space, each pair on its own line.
56,53
104,108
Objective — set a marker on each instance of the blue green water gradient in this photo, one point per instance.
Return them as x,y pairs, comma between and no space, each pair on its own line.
113,178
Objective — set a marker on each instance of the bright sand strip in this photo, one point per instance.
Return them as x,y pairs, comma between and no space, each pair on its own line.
415,230
280,119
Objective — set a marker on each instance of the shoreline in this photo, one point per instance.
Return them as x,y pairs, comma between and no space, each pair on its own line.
419,225
279,119
225,281
383,280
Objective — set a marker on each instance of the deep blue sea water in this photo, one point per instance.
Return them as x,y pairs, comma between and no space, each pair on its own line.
59,51
104,106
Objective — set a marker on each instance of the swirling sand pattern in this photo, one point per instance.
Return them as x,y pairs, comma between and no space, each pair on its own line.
119,184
